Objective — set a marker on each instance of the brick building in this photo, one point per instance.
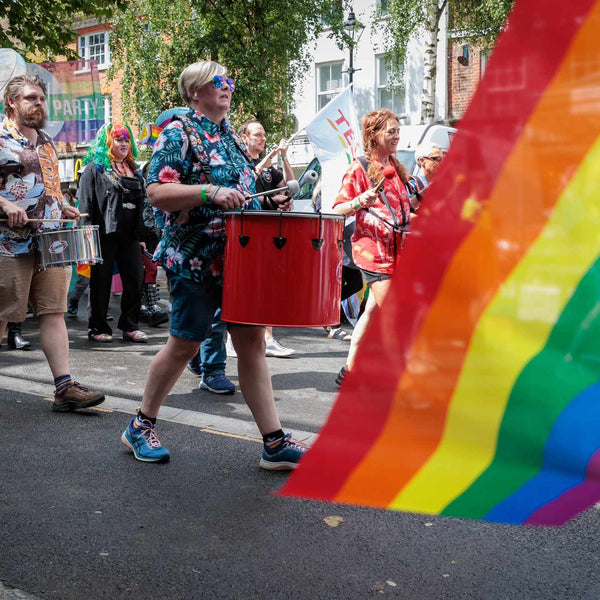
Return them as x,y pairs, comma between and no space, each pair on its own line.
466,65
91,43
457,82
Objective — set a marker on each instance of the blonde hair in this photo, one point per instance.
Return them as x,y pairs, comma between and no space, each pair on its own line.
196,75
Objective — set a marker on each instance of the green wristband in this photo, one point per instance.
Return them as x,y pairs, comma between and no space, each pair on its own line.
203,195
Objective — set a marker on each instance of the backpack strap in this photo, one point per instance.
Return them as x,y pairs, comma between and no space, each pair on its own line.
197,147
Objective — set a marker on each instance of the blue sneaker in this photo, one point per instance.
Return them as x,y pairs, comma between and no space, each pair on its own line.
195,366
284,456
217,383
144,442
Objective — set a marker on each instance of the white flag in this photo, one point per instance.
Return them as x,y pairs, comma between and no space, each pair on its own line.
335,136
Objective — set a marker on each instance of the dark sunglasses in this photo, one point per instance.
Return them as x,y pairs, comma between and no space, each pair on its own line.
218,82
435,159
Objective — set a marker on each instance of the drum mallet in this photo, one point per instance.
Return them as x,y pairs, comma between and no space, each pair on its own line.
309,177
292,187
388,172
51,220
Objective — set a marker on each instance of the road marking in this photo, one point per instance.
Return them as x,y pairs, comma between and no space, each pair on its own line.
205,422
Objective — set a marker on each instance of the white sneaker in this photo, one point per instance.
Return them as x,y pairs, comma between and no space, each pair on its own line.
274,348
231,353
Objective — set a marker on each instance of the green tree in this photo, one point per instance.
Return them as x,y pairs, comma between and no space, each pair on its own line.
41,27
477,21
263,43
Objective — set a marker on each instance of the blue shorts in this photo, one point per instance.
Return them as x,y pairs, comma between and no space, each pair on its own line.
193,307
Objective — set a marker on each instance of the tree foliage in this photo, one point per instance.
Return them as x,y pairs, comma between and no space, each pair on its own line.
263,43
476,21
33,27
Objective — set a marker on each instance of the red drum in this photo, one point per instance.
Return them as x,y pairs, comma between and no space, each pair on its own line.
282,269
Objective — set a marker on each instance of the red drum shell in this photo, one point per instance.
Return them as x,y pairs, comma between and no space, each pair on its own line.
297,285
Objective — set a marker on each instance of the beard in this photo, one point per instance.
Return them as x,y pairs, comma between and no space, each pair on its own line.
34,118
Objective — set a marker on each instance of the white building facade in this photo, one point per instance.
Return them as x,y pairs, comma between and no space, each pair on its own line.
328,75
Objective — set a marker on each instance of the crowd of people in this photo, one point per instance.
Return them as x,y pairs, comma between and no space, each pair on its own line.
200,166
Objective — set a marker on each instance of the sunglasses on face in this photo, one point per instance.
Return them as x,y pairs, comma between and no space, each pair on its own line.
218,82
435,159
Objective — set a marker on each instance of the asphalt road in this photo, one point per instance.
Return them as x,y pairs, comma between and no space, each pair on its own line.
81,519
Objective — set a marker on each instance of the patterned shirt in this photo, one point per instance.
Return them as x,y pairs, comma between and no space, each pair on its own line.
374,244
29,178
194,240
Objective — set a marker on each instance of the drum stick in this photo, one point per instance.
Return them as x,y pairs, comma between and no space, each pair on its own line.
51,220
292,187
388,173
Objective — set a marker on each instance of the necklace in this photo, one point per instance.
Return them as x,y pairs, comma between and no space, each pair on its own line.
120,167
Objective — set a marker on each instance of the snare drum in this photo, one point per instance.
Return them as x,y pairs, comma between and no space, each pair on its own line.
68,246
282,269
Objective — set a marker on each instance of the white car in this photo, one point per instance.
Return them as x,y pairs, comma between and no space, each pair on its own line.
413,135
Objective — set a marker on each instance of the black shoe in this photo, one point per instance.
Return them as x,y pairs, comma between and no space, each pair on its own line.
340,376
157,316
15,339
152,313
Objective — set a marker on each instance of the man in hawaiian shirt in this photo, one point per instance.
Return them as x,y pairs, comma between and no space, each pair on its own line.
30,189
199,167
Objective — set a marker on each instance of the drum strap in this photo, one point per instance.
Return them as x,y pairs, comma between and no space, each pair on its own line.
395,226
200,152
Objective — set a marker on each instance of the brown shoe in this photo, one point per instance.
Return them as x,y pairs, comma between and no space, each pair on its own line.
74,397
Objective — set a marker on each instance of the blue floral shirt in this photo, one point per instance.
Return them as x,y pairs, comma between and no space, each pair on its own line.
193,240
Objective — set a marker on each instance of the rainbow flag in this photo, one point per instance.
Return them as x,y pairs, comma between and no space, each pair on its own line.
476,391
75,101
85,270
150,133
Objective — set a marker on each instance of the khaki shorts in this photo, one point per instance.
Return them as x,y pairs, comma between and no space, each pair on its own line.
21,284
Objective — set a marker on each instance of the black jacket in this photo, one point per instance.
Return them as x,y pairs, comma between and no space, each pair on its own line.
100,195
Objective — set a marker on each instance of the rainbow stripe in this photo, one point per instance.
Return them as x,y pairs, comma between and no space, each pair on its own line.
149,134
477,387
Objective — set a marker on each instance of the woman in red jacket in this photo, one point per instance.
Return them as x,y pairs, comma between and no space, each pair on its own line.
380,215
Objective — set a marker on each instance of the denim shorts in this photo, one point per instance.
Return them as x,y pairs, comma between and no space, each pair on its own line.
193,307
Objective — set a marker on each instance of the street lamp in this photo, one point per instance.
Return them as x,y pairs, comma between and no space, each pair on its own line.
354,29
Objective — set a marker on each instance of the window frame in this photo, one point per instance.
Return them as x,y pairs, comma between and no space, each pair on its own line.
83,49
397,91
332,92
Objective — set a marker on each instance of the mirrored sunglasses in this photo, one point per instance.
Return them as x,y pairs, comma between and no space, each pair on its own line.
218,82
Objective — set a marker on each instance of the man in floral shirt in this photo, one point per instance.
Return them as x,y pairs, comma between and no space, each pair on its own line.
200,167
30,189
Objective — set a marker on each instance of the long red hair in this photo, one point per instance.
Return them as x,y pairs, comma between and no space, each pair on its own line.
373,124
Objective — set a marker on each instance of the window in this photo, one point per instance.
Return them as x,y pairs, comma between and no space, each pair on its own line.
483,61
391,96
329,82
90,125
383,7
95,47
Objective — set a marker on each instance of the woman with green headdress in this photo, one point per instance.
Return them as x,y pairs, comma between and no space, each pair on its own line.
112,192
